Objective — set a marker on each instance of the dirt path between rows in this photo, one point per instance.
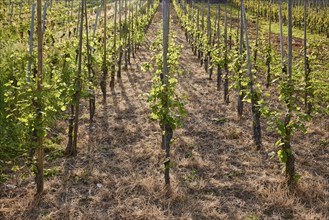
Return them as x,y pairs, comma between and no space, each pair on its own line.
217,174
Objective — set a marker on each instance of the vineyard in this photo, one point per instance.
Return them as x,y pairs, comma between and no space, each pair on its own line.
149,109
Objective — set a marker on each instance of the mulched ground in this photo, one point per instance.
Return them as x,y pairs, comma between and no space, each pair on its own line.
217,173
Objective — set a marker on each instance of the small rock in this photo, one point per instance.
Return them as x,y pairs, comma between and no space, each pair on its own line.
11,186
271,154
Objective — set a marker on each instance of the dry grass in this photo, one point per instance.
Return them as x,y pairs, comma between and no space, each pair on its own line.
118,171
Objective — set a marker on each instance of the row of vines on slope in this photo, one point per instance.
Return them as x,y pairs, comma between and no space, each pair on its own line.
167,107
216,51
29,107
317,19
213,46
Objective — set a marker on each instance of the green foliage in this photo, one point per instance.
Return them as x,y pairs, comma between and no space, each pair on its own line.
252,216
317,19
52,150
324,143
296,177
52,172
283,154
191,177
200,38
238,66
269,54
18,97
3,178
219,120
166,106
233,174
146,67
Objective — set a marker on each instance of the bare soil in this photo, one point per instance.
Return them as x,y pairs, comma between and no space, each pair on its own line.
217,173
